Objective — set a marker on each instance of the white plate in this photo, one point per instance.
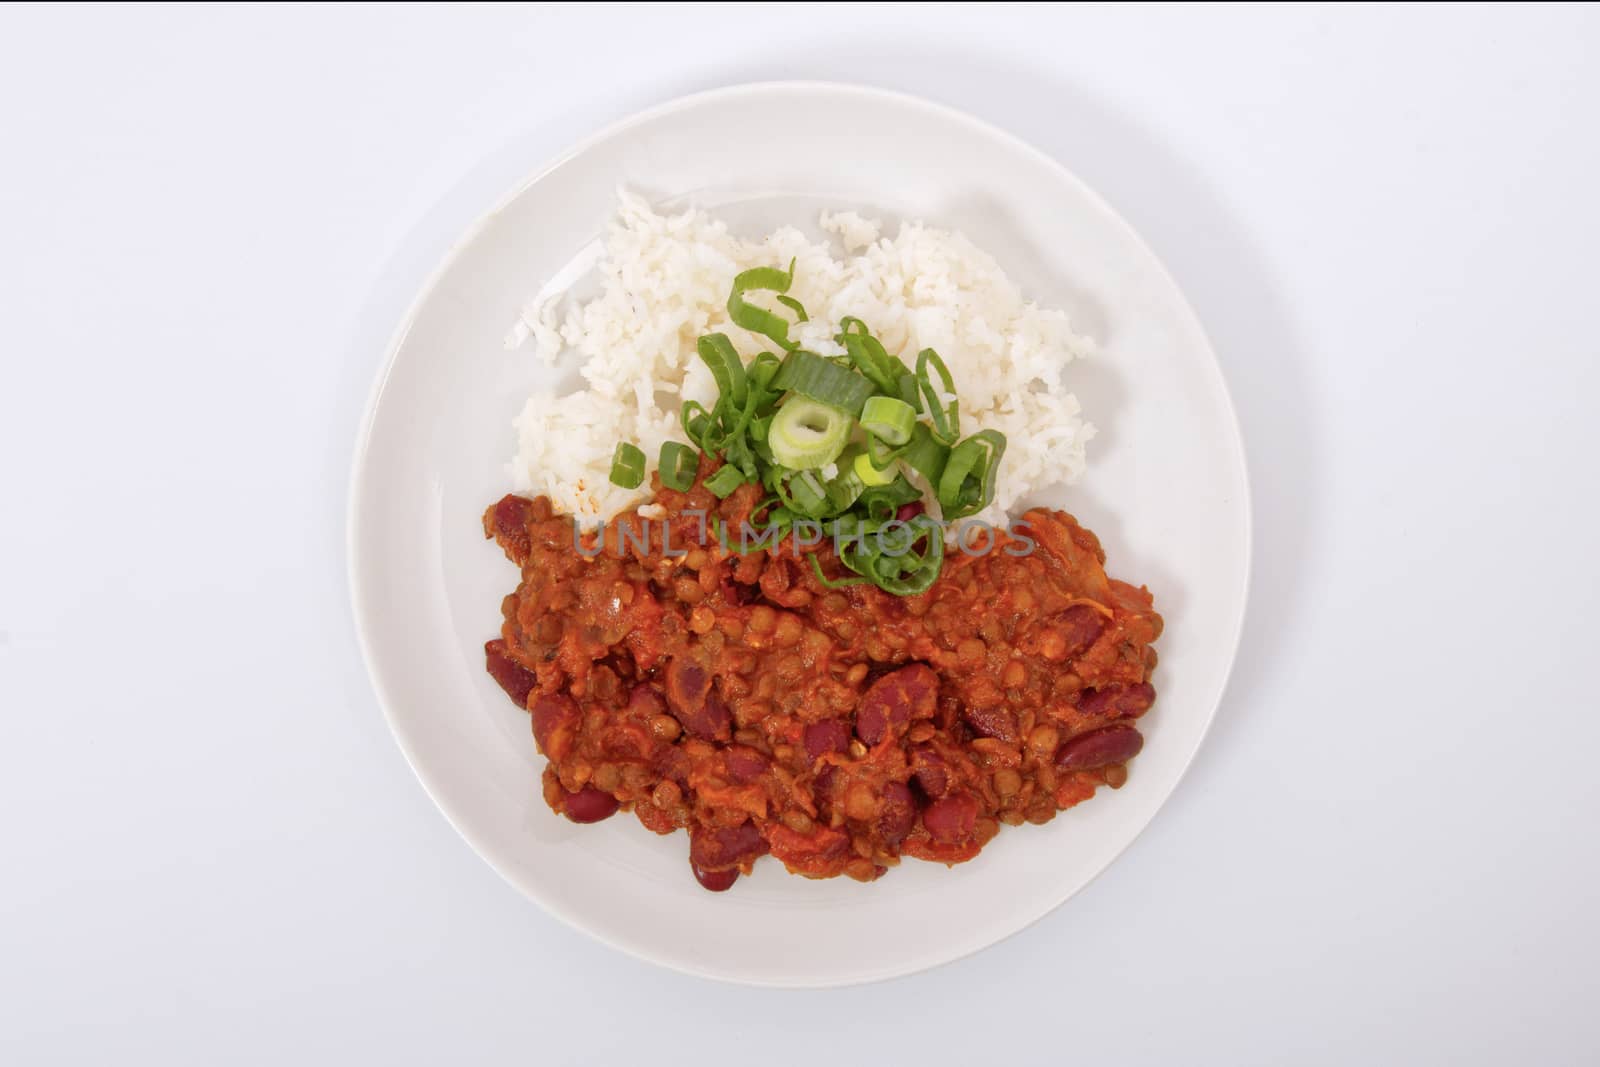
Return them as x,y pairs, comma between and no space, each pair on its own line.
1166,491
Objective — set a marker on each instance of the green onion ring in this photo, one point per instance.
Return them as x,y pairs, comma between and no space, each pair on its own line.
727,368
967,484
725,481
627,466
678,466
812,376
759,319
888,419
806,434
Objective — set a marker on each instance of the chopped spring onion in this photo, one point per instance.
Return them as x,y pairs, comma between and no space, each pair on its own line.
812,376
946,418
807,496
795,306
759,319
843,491
806,434
870,475
627,466
725,481
882,503
678,466
869,355
784,422
762,370
925,455
967,484
726,366
891,560
834,583
698,424
888,419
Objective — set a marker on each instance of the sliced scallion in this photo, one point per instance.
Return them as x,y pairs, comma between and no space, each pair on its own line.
967,485
843,491
725,481
726,366
869,355
759,319
925,455
627,466
806,495
806,434
834,583
946,417
888,419
869,473
678,466
795,306
812,376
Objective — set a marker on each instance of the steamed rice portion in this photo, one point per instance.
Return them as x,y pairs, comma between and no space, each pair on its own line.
665,282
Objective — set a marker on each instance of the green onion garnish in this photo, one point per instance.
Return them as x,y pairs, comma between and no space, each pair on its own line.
726,366
869,473
782,422
678,466
967,485
834,583
698,424
757,319
844,491
627,466
725,481
946,419
803,496
925,455
806,434
795,306
812,376
869,355
891,560
888,419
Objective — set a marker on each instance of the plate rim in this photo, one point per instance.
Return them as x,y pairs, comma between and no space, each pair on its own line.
359,457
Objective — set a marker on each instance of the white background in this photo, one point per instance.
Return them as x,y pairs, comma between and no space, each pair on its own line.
212,849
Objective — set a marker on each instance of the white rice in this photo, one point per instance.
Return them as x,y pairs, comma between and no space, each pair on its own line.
665,281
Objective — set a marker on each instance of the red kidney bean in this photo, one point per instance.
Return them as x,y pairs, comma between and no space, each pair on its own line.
716,881
507,523
590,805
899,812
1114,744
687,683
553,715
1118,701
829,735
722,847
907,512
992,722
952,818
745,765
930,772
1081,626
513,677
695,701
822,790
645,702
912,692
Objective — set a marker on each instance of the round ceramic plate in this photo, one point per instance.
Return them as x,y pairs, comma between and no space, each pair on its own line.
1166,492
